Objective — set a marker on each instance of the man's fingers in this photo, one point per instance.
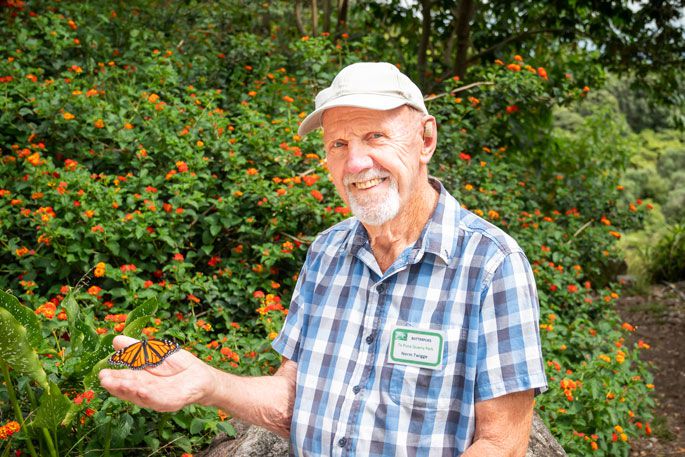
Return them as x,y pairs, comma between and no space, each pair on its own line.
126,384
115,378
121,341
142,388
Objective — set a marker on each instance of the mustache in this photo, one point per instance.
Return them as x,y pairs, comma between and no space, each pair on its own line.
365,175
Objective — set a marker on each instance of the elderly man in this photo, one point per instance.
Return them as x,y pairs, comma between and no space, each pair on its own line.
413,329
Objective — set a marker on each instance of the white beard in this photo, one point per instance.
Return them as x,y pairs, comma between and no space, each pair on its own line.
376,209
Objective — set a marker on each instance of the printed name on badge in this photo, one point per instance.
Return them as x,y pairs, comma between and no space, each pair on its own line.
415,347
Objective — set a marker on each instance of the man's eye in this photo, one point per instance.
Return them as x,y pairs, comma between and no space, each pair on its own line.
337,144
376,135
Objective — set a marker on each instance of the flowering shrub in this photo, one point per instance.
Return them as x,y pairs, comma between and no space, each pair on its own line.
160,189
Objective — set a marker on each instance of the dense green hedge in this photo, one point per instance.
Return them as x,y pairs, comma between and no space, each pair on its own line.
149,158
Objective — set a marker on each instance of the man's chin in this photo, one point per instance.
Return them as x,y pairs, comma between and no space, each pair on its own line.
375,216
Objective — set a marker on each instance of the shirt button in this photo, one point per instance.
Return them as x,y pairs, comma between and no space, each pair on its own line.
369,339
342,442
356,389
381,288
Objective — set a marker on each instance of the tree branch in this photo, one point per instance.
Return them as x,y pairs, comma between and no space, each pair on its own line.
511,39
459,89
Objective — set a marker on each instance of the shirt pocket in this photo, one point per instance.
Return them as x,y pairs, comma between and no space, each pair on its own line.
416,387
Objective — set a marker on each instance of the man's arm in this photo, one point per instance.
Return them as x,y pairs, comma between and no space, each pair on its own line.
502,426
266,401
184,379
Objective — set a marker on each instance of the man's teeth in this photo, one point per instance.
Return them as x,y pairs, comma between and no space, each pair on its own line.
370,183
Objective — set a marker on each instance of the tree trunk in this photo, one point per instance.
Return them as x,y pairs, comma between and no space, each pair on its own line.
266,19
298,17
425,40
448,50
327,8
342,16
315,18
466,10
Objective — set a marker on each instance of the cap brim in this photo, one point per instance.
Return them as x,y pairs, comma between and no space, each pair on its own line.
368,101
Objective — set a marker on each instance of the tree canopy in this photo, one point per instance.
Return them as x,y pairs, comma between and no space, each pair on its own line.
442,38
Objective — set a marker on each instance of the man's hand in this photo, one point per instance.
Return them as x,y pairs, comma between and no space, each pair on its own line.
502,426
180,380
183,379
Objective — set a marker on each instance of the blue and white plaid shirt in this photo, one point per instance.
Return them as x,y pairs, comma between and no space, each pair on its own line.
464,277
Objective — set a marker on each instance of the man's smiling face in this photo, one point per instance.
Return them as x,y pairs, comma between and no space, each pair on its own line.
374,158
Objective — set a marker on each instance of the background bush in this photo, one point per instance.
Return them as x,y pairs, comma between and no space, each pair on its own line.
152,182
656,175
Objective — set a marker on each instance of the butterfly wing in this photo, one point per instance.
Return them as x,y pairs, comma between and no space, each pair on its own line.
132,356
144,353
158,350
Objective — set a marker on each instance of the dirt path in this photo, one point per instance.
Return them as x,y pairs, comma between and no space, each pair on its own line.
659,318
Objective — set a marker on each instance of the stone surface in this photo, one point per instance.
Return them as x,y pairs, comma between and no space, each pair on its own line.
252,441
542,443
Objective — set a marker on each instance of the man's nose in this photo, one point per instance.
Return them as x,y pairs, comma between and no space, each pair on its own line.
358,158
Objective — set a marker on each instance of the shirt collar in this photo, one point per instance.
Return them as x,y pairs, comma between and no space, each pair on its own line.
437,236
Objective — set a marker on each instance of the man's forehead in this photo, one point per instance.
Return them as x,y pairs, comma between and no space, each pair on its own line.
345,116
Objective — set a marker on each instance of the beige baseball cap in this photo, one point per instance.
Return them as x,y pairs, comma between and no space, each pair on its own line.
372,85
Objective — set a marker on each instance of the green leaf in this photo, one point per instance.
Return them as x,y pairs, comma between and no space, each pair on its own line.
72,309
24,315
133,329
226,427
85,346
139,232
184,443
118,292
16,351
147,309
53,408
90,337
152,442
113,246
197,425
121,427
167,239
91,380
71,414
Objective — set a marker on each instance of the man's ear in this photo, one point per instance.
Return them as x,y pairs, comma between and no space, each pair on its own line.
430,138
428,130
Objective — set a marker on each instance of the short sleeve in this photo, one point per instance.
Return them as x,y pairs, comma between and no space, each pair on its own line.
509,348
287,343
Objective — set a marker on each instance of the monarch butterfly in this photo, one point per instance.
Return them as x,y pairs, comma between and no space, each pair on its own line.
144,353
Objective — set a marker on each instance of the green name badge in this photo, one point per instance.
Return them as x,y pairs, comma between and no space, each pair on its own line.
415,347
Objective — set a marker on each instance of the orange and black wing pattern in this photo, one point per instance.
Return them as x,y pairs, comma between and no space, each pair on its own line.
144,354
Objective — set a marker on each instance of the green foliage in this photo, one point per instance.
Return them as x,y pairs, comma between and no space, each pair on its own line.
622,34
638,106
668,255
15,349
656,175
656,172
152,183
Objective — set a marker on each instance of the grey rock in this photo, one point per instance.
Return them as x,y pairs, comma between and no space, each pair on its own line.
250,441
253,441
542,443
